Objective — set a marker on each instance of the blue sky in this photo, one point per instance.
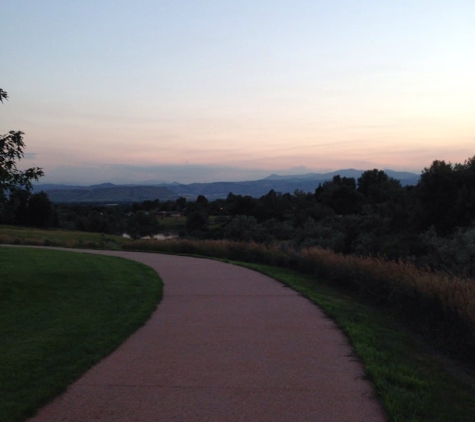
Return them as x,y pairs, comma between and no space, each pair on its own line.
128,91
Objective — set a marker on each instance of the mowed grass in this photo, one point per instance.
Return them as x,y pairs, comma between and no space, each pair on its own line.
60,313
413,383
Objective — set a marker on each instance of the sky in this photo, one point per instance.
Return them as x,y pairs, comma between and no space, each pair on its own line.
215,90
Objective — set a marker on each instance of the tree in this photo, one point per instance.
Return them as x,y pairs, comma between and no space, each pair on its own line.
11,152
446,195
196,221
340,194
3,95
243,228
241,205
40,210
377,186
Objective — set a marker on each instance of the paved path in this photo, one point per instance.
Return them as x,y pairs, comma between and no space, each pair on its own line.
225,344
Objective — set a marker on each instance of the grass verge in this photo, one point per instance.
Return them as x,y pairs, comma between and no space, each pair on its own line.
413,384
60,313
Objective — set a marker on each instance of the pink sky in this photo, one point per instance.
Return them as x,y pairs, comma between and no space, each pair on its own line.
132,92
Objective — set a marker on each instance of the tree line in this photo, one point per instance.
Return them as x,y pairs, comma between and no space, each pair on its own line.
431,223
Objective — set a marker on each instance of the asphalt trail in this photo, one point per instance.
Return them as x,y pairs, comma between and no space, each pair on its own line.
225,344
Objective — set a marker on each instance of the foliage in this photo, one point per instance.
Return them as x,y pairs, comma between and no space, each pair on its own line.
11,151
377,186
15,184
11,178
447,195
3,95
340,195
243,228
455,251
25,208
197,221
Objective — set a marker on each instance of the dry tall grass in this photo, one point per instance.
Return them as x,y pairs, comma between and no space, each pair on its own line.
436,301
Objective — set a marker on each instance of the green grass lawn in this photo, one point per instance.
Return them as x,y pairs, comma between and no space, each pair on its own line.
413,383
60,313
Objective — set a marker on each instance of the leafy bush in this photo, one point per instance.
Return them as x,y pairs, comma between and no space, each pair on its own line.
455,254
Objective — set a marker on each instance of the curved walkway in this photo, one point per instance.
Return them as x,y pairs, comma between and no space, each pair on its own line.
225,344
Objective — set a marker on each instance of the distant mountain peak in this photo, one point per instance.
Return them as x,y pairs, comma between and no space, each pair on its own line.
103,185
138,192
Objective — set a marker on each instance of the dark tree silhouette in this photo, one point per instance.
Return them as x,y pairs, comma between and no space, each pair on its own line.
377,186
40,210
446,194
11,151
3,95
340,194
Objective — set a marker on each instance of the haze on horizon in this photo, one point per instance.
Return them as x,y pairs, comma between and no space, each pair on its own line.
223,90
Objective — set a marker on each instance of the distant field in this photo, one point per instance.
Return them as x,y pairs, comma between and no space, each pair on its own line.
60,313
173,224
20,235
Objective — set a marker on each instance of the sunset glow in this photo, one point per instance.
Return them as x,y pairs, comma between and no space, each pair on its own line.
214,90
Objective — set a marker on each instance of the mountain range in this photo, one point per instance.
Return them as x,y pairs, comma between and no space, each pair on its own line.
108,192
